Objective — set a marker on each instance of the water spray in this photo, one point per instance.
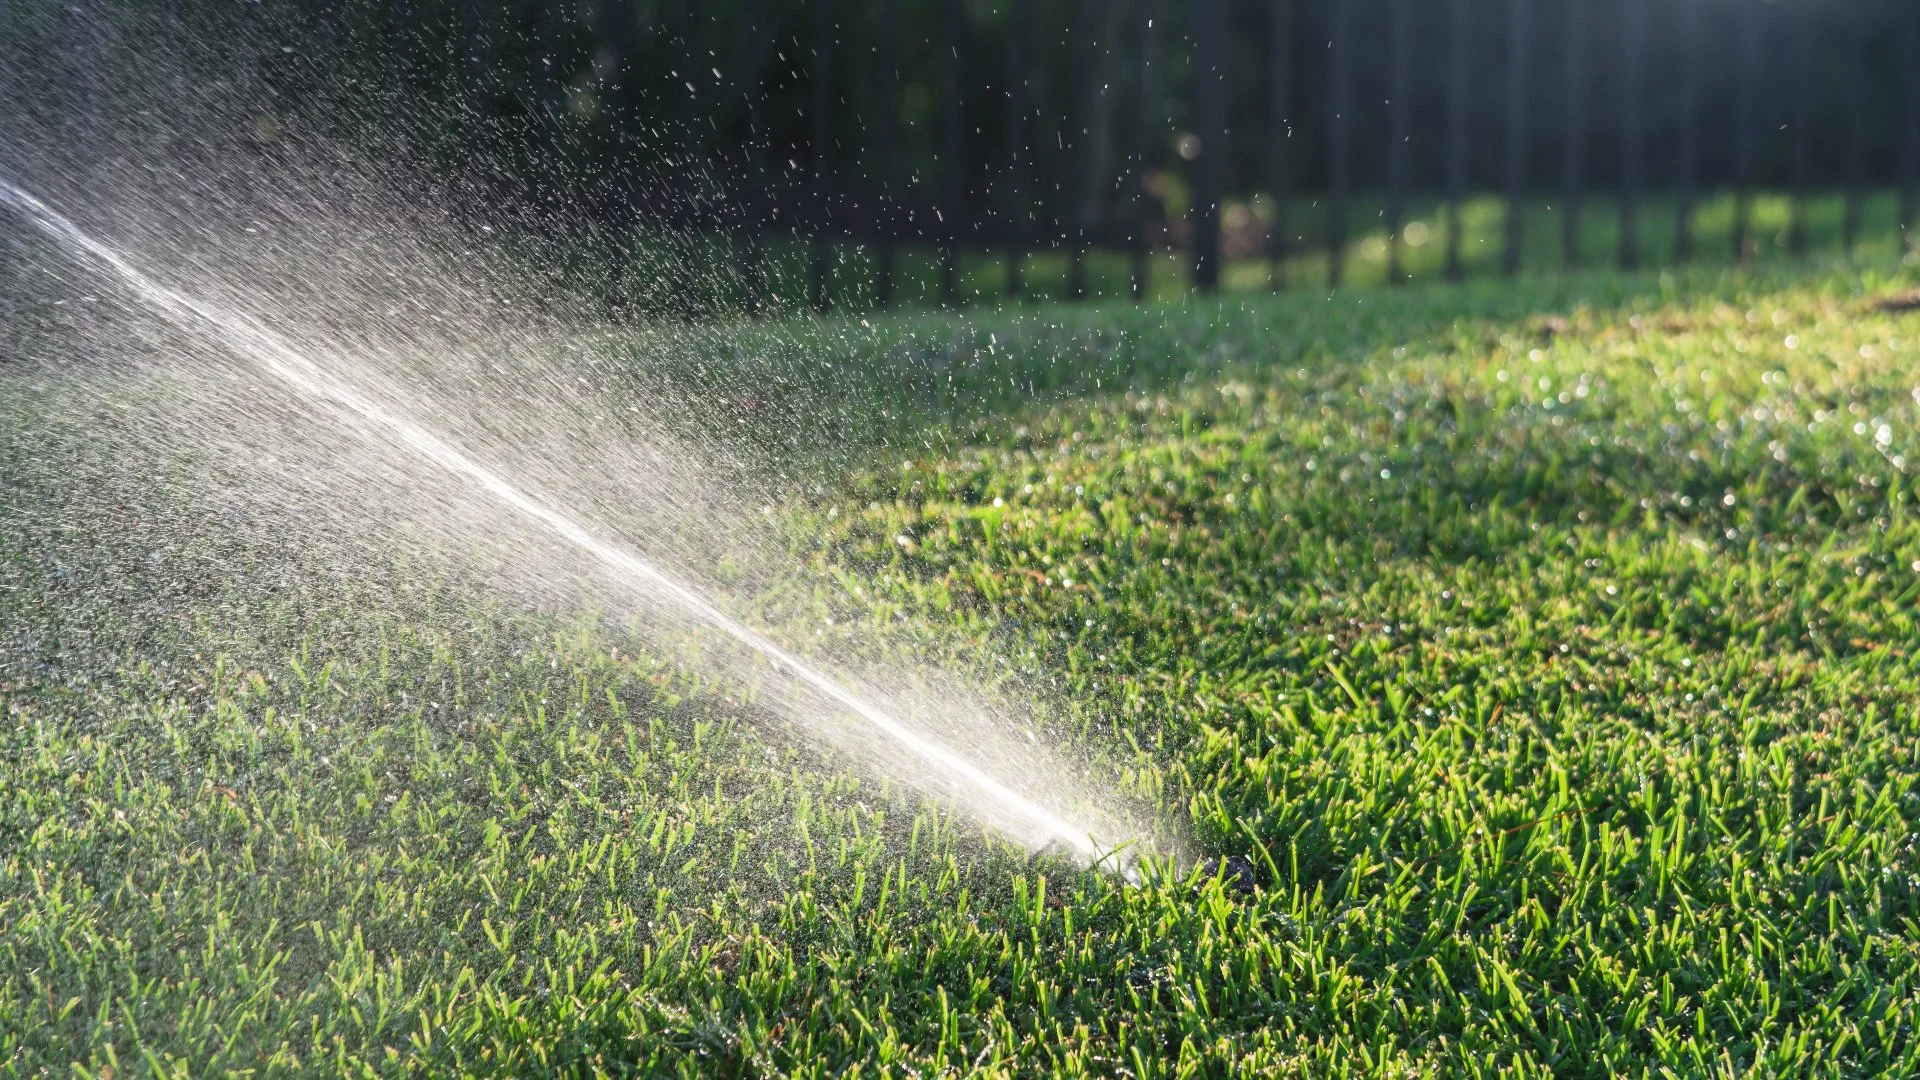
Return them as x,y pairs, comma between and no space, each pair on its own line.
275,355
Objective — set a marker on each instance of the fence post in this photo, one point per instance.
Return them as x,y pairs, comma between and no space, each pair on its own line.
682,246
248,81
950,134
1210,93
1574,146
817,268
1279,104
1459,24
1686,170
1910,143
551,183
1519,38
546,81
472,68
1080,179
886,218
1400,30
616,218
325,20
1145,139
1801,119
1339,117
1856,122
1016,148
756,201
1746,126
177,76
1633,40
400,73
90,61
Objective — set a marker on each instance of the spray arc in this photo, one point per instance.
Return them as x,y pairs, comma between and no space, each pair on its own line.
277,357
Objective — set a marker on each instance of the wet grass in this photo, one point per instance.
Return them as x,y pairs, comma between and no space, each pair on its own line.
1545,651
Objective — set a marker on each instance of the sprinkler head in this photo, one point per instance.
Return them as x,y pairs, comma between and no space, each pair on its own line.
1236,872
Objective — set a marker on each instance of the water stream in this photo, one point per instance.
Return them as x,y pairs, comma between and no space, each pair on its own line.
246,338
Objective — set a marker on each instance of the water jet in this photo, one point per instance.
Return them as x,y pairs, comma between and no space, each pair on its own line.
297,371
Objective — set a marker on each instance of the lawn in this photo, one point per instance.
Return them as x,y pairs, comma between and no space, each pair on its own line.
1542,653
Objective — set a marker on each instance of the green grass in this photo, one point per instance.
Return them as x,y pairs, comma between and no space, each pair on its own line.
1548,649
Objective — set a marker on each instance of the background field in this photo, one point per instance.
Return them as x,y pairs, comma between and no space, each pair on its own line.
1545,649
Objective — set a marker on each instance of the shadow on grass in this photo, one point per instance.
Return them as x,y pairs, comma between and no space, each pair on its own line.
815,399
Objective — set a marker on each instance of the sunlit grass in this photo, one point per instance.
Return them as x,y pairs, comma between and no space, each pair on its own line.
1546,650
